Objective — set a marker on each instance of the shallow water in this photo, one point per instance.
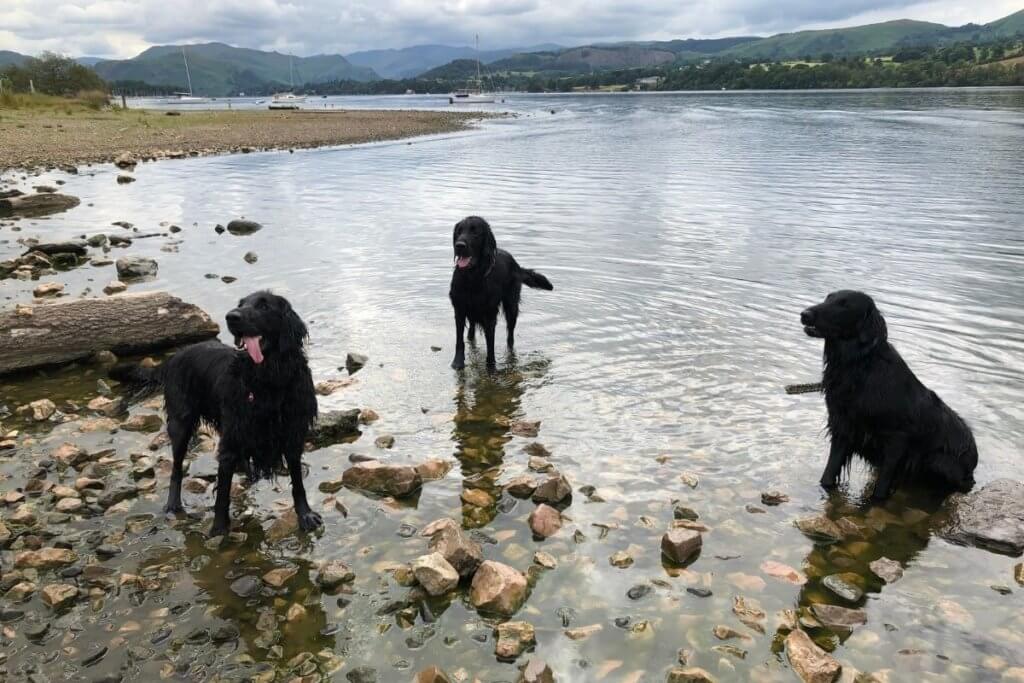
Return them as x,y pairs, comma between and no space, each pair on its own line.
683,234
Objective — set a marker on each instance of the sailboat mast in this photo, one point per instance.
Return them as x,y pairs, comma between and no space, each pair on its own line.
291,76
188,76
479,82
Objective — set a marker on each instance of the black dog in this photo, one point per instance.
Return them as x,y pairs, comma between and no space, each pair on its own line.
485,279
259,396
878,409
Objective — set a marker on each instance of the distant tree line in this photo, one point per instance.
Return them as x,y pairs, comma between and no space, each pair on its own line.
51,74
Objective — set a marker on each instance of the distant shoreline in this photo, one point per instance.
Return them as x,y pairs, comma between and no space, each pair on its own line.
35,139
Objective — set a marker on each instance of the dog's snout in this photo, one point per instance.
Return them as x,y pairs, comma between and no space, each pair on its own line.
233,316
807,317
460,245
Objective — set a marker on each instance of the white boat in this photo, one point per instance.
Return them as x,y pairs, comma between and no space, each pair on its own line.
474,94
186,97
287,100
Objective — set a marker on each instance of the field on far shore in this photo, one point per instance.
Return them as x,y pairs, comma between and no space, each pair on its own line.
54,137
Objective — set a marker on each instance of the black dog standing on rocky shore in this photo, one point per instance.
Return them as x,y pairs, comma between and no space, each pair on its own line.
485,279
878,409
259,396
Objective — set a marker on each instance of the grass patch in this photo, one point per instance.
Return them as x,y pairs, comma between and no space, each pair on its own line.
90,100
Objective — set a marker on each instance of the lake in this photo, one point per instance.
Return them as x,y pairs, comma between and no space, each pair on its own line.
683,233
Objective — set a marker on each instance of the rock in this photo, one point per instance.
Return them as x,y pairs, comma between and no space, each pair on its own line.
774,498
362,674
384,441
638,592
250,257
1018,573
432,470
277,578
58,595
243,227
953,613
887,570
536,671
355,362
991,517
124,179
376,477
69,505
521,487
461,552
820,527
689,674
783,572
45,558
31,205
335,426
245,586
431,674
514,638
477,498
135,267
524,428
545,560
435,574
810,662
334,574
329,386
552,490
680,511
143,423
582,632
23,515
497,588
47,289
20,591
749,612
115,287
125,160
680,545
843,586
545,521
40,410
621,559
107,406
834,616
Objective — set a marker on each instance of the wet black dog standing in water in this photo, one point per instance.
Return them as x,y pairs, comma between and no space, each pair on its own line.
485,279
258,395
879,410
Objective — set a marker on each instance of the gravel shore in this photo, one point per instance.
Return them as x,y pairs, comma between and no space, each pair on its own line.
35,139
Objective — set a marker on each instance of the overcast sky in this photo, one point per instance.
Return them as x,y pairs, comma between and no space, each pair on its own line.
123,28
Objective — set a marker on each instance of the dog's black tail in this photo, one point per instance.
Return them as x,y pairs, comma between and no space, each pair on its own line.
133,375
532,278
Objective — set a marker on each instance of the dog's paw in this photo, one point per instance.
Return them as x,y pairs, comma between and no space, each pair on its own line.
310,521
218,530
458,364
829,485
174,509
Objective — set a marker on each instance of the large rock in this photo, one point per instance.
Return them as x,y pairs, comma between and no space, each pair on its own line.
514,638
435,574
545,521
135,267
887,570
243,227
334,426
76,247
810,662
45,558
835,616
58,595
689,674
448,539
552,490
376,477
37,204
991,517
680,545
334,574
498,588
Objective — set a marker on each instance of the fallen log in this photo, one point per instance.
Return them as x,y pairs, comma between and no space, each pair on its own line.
37,204
804,388
66,331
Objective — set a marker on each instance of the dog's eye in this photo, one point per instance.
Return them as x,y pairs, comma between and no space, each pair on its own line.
261,304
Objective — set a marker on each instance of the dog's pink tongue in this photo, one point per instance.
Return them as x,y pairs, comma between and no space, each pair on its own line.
462,262
252,346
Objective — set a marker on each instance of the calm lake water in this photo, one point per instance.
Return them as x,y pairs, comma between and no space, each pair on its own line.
683,233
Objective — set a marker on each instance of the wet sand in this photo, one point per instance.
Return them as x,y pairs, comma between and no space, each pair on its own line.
53,138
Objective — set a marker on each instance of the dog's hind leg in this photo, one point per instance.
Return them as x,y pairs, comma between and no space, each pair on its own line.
489,326
308,520
894,452
222,505
838,456
180,431
471,333
511,307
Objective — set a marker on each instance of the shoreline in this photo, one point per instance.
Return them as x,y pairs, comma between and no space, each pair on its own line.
37,139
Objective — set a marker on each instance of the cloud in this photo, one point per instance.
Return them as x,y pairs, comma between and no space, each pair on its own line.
122,28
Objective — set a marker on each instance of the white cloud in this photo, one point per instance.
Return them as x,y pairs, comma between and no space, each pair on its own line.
122,28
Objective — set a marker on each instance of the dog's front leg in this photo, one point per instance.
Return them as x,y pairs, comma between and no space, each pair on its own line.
489,335
837,456
459,361
308,520
222,505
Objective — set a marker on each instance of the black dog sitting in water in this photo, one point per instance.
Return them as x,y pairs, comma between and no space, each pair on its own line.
485,279
259,396
878,409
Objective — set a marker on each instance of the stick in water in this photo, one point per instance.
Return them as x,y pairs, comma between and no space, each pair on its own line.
803,388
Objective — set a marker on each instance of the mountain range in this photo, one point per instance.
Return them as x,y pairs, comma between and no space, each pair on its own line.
218,69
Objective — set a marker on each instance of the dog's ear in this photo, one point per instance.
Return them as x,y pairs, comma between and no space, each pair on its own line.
293,331
873,329
490,247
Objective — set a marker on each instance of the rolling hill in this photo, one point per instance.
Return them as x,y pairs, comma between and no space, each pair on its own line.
413,61
218,69
9,57
868,39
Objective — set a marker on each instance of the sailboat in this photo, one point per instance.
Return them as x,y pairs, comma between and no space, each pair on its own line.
287,100
475,93
186,97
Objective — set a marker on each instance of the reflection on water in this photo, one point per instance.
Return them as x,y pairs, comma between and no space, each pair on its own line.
684,234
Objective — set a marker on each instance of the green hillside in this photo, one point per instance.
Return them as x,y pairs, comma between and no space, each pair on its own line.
1007,27
218,69
856,40
9,57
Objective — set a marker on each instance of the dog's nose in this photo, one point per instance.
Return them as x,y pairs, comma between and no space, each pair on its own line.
460,246
233,316
807,317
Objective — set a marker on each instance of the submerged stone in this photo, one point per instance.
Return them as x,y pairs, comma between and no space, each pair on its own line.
680,545
810,662
498,588
513,639
991,517
888,570
843,586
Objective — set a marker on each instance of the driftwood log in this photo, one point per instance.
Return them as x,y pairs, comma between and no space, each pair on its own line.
37,204
66,331
804,388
